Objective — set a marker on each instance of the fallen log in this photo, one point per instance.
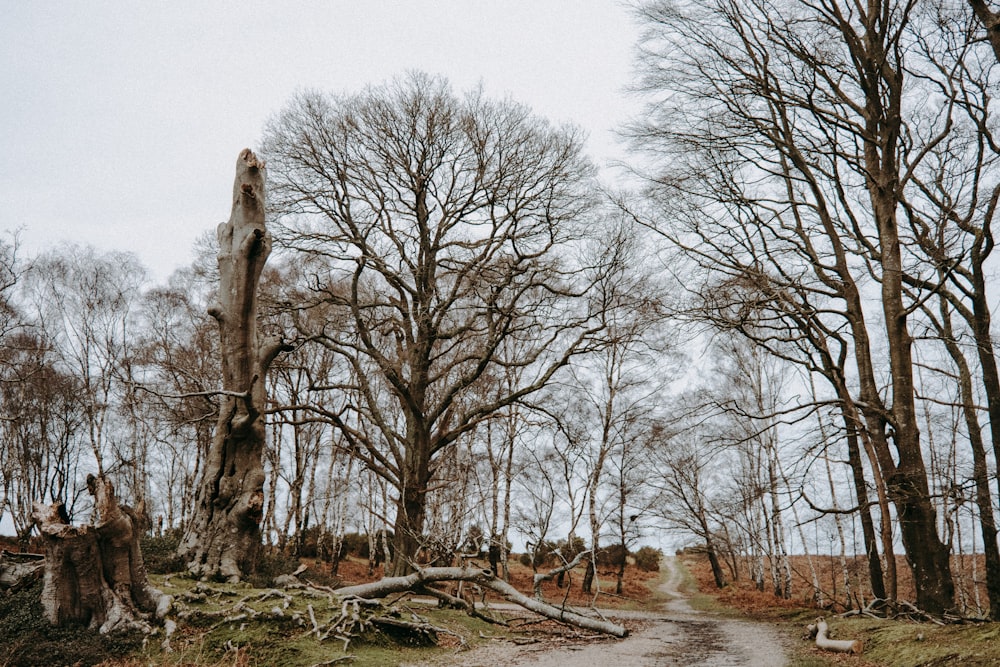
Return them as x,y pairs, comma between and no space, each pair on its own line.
820,631
485,578
19,569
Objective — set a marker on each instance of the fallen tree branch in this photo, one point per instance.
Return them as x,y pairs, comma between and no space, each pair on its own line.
552,574
484,578
820,630
459,603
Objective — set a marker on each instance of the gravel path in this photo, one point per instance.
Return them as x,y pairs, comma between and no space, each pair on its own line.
677,636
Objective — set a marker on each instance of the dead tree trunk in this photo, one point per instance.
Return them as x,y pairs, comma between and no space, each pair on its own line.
95,575
223,536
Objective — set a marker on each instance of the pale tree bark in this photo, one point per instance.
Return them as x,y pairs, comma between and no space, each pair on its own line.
223,535
820,630
17,570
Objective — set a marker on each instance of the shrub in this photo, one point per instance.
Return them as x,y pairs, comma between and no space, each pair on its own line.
272,563
611,556
355,544
648,559
160,553
569,551
316,542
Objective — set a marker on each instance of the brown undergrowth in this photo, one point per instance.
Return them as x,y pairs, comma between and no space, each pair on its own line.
888,643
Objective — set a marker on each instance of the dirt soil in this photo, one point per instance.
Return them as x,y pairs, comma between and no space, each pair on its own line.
677,635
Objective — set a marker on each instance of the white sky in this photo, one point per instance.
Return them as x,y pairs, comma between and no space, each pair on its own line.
120,122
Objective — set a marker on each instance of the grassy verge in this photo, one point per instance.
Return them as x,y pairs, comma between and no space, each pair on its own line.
888,643
285,640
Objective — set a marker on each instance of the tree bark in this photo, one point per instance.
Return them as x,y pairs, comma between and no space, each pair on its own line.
927,555
222,538
980,469
95,575
19,569
411,511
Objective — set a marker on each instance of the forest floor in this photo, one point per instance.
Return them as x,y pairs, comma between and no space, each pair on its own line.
887,642
675,617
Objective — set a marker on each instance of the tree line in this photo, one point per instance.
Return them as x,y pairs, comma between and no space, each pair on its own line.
778,323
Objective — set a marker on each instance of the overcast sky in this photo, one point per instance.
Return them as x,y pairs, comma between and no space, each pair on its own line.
120,122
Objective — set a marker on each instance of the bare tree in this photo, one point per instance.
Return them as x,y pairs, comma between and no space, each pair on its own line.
178,357
39,453
439,227
686,474
84,305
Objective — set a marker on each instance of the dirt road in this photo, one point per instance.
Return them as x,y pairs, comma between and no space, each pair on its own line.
678,635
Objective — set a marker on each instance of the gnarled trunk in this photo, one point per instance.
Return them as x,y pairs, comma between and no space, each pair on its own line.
95,575
223,536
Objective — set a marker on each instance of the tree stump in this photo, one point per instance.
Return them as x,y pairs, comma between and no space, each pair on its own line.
94,574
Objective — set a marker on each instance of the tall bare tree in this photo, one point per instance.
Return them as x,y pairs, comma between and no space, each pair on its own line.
439,227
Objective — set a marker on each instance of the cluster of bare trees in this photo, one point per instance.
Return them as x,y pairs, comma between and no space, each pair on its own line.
827,173
455,311
462,341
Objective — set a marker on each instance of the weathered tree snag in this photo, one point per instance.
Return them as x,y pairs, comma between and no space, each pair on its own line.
223,537
820,630
484,578
95,575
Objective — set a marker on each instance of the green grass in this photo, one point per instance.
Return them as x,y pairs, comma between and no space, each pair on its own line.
898,643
